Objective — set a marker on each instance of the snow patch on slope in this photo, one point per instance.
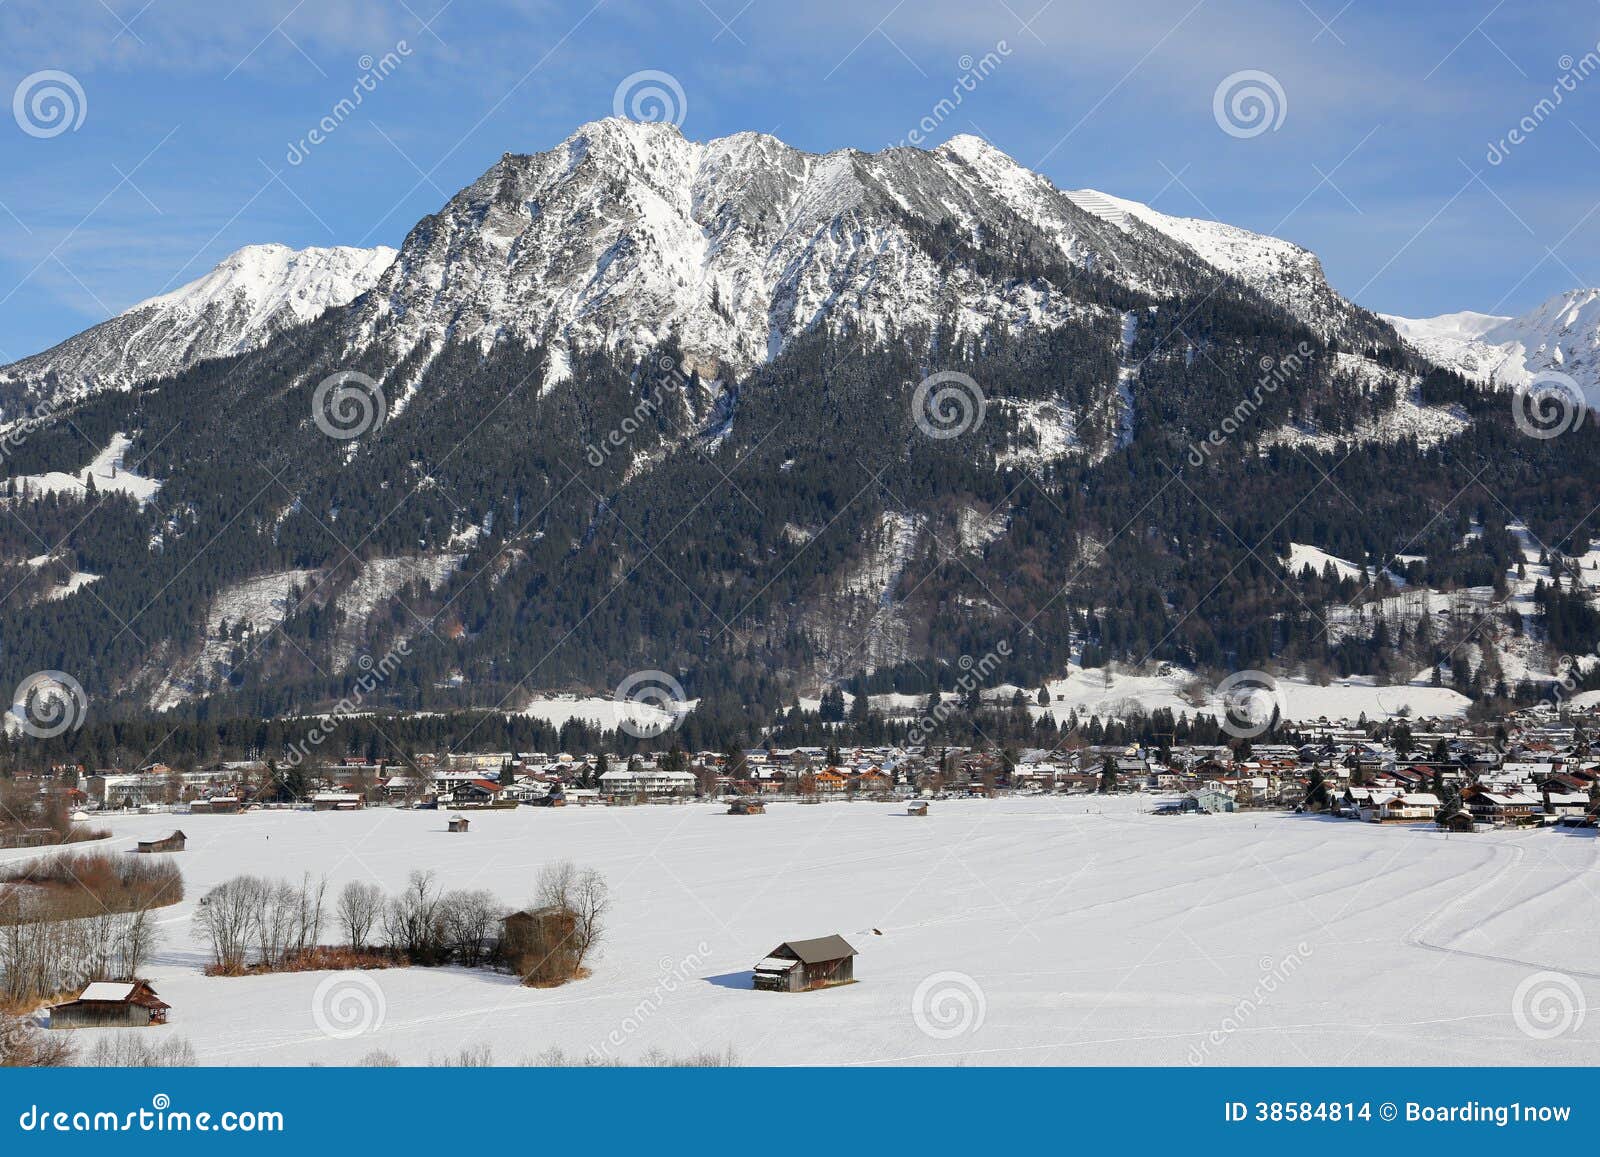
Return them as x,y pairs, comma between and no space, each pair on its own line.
257,605
106,471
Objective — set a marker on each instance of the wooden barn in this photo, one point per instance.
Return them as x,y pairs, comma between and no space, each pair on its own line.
457,824
801,965
172,843
746,806
917,807
109,1004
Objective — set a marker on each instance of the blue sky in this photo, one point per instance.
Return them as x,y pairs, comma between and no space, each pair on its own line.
1380,162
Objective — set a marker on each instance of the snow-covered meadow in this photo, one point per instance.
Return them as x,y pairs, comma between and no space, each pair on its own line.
1035,931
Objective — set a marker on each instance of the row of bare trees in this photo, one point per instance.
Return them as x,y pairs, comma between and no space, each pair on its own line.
251,921
66,920
44,958
254,923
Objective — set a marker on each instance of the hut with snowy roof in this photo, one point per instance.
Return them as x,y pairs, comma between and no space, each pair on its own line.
111,1004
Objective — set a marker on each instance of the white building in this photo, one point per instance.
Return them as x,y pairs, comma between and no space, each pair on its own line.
646,780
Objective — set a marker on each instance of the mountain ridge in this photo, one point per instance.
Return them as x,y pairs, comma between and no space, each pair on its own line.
248,298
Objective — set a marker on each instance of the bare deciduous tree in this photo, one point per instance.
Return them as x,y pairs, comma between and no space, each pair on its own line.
469,918
360,906
411,920
228,915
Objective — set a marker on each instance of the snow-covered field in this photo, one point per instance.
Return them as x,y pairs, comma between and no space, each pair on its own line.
1038,931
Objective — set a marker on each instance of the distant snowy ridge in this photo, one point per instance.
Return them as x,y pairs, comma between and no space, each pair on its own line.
1562,335
253,295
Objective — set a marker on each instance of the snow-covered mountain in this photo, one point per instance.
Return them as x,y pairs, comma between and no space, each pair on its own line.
1562,335
1134,337
1285,274
626,231
250,297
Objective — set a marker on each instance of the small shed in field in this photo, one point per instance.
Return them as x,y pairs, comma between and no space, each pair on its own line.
172,843
458,824
917,807
799,965
108,1004
746,806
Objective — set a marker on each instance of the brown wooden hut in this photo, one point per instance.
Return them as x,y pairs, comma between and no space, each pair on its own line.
800,965
172,843
111,1004
457,824
541,944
